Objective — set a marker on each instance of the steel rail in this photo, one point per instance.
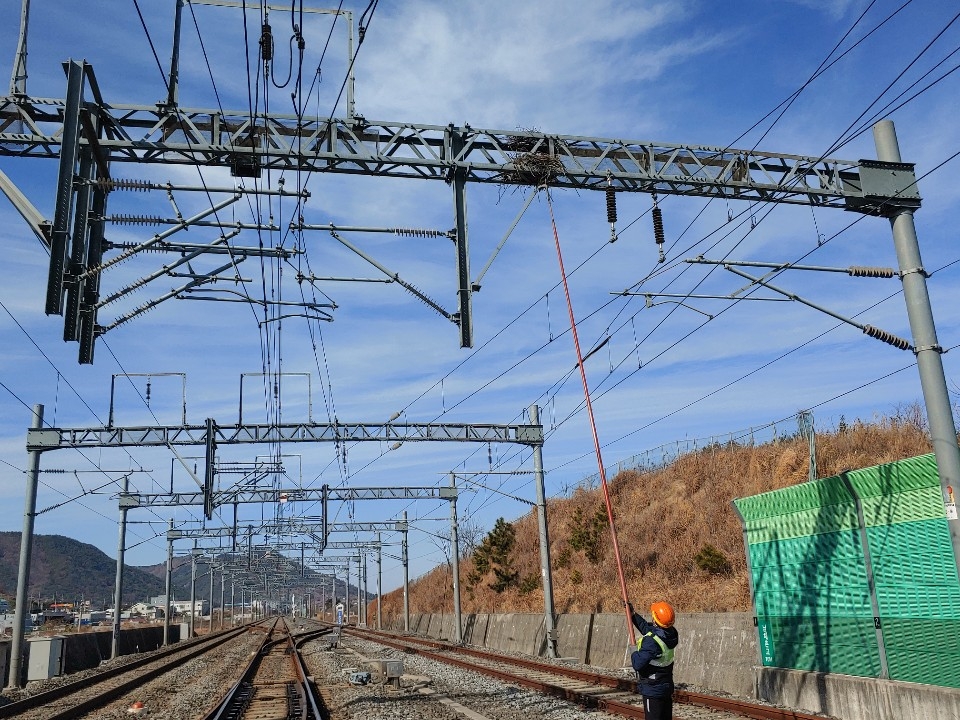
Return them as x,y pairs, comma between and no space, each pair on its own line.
589,698
196,647
238,698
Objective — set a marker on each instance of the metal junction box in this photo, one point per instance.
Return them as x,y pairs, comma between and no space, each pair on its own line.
386,670
46,657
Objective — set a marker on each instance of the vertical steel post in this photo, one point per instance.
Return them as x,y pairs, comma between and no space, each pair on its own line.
193,588
167,586
359,585
233,605
379,580
871,580
223,569
118,585
550,629
943,432
455,147
18,78
363,571
455,563
21,612
351,106
210,602
174,79
405,560
69,148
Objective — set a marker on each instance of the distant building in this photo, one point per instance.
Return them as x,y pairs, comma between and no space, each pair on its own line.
147,610
181,606
4,607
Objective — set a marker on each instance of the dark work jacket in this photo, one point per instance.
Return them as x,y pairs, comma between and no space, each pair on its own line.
653,681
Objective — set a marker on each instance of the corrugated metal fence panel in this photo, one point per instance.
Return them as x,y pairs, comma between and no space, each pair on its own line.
913,555
915,572
810,580
896,477
923,651
837,644
822,506
809,496
809,572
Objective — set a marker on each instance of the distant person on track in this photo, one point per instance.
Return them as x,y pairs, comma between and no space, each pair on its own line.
653,660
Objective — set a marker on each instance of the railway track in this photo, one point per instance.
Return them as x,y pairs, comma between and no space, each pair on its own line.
276,684
74,699
614,695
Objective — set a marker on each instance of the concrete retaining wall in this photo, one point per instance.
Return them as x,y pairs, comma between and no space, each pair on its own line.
718,652
82,651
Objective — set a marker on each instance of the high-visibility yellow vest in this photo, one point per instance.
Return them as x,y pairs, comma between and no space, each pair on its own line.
666,653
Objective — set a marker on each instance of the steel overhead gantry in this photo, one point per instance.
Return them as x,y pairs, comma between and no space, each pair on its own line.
41,439
87,136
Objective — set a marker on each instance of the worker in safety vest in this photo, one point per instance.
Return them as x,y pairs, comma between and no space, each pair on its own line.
653,660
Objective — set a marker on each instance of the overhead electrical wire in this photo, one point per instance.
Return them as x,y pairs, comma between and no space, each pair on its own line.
798,260
907,3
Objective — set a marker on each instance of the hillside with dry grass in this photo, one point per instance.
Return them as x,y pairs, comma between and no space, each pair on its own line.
679,537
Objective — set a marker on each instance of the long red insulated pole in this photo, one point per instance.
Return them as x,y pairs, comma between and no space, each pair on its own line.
593,425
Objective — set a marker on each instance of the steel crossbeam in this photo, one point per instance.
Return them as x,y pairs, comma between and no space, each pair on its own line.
222,497
205,136
88,135
291,528
247,433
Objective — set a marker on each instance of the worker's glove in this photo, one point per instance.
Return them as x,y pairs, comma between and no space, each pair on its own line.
630,608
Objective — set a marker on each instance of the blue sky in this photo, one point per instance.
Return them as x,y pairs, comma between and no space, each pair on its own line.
678,72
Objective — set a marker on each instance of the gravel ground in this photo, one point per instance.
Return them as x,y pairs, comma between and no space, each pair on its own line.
178,695
431,690
192,688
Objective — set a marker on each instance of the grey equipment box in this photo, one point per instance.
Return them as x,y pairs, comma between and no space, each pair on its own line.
45,657
386,671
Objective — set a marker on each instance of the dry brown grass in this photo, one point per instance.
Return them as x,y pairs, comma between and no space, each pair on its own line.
664,519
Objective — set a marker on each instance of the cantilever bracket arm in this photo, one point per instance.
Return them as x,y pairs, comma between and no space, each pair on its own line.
40,226
874,332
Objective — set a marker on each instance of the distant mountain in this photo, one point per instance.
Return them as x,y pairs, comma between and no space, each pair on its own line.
68,570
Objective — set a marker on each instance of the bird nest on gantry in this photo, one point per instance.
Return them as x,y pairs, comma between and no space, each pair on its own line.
532,162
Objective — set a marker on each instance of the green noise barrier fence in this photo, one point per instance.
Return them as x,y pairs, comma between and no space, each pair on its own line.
855,574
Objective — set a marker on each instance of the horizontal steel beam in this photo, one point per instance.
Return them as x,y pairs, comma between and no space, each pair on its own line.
224,497
294,528
32,127
246,433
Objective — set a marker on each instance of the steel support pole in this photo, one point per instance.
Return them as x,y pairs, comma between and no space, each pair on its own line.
118,585
210,602
379,580
346,592
405,559
18,78
193,589
222,582
21,612
455,563
943,432
233,605
359,586
547,577
464,288
173,81
167,586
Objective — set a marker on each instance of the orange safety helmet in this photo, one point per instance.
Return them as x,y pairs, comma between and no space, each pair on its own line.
662,613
